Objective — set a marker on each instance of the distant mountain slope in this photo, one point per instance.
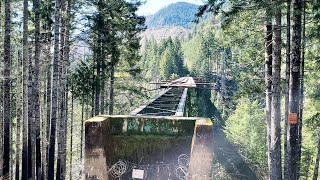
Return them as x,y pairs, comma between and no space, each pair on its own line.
165,32
177,14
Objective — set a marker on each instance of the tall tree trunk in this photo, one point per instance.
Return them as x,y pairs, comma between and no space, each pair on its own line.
7,91
98,79
316,166
61,161
106,104
46,105
285,166
19,114
31,140
275,143
43,105
71,130
25,92
102,108
48,101
97,92
54,104
268,76
87,107
67,64
65,26
294,92
301,88
82,129
12,158
93,94
36,9
1,96
111,90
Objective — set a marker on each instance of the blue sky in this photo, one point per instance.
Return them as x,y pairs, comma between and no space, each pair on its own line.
152,6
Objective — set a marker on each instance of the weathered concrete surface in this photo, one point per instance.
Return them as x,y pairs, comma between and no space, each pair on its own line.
95,158
110,138
201,151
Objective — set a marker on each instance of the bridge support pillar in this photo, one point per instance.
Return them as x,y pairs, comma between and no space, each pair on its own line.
95,166
201,157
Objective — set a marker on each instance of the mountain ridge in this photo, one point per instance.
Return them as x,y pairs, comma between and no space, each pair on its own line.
175,14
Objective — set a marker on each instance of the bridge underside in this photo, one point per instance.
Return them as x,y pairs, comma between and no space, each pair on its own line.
156,138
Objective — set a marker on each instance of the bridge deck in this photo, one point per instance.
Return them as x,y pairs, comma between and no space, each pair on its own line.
171,102
167,103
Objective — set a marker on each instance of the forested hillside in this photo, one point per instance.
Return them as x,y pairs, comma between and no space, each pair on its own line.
177,14
66,61
174,20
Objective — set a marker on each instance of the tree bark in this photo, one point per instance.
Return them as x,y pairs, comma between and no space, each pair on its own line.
31,132
82,129
102,108
268,76
36,9
316,166
25,53
87,107
285,167
7,91
47,99
1,97
54,104
18,115
106,104
48,102
98,79
294,92
102,79
65,8
61,161
93,94
275,143
301,88
111,90
71,130
67,64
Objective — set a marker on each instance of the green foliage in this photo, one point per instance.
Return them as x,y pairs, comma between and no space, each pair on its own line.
167,66
163,60
82,79
309,150
247,129
112,29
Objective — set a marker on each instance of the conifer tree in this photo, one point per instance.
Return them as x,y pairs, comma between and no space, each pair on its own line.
294,91
54,103
7,90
